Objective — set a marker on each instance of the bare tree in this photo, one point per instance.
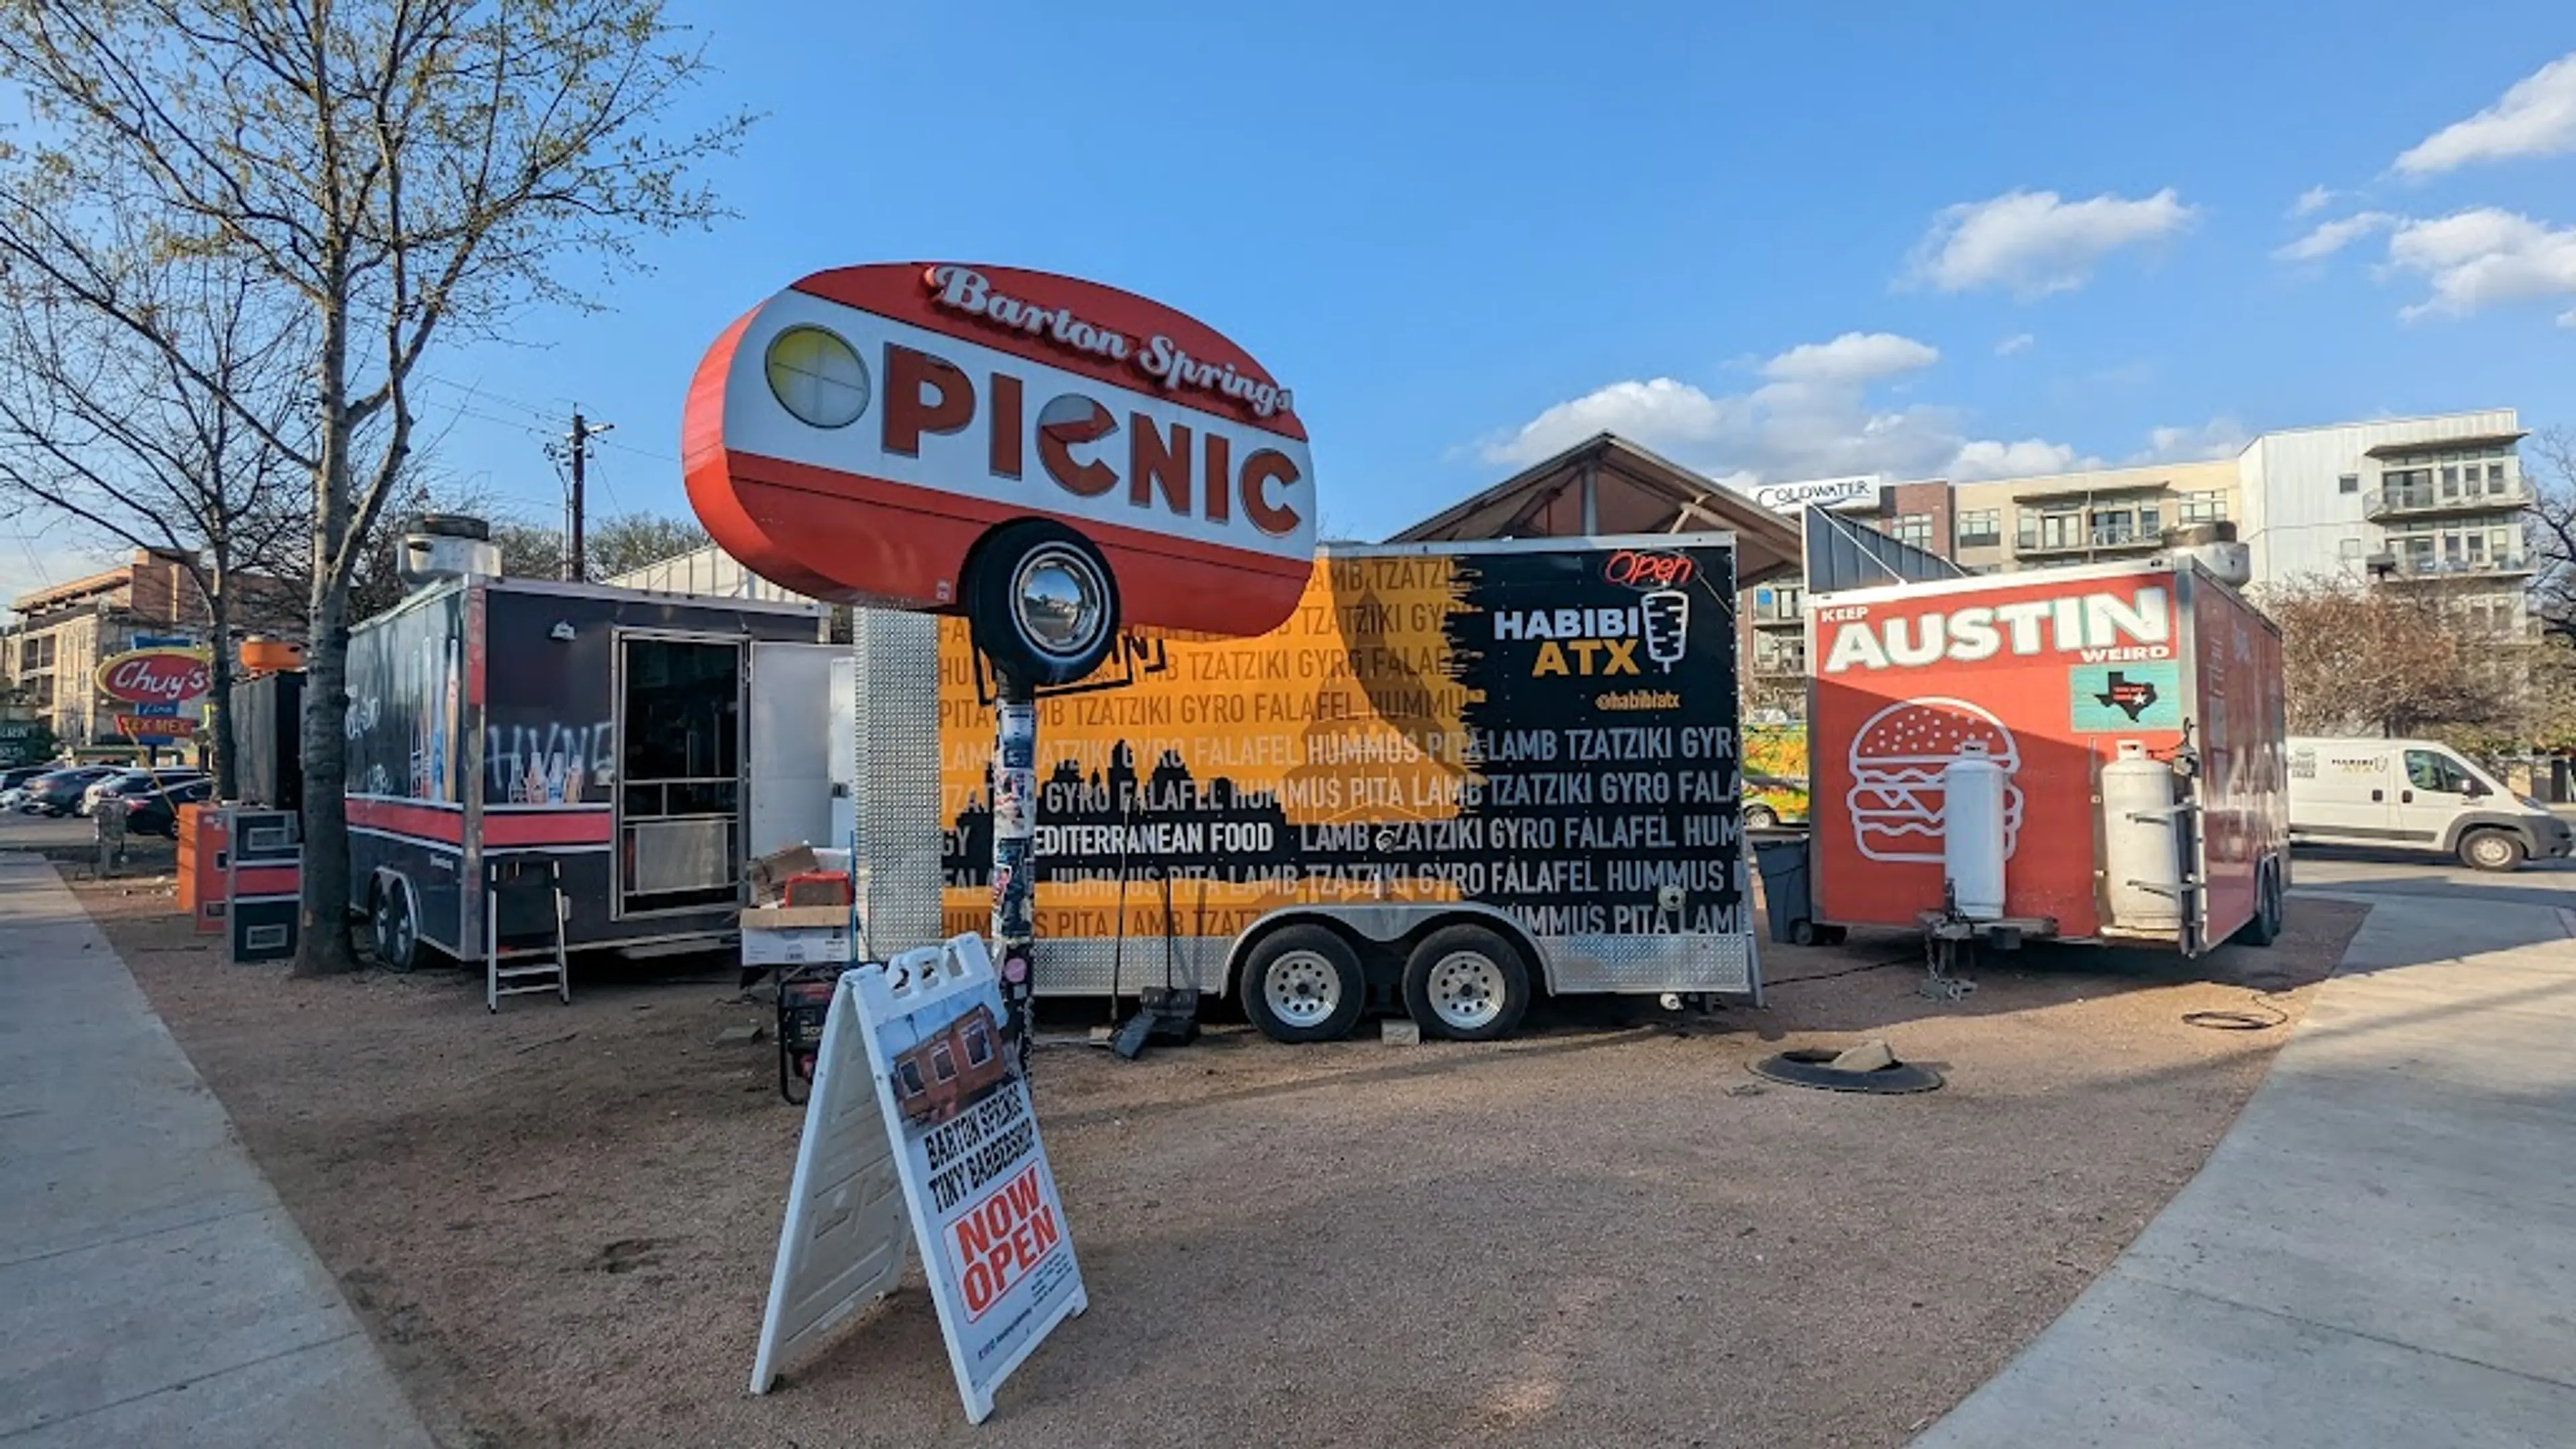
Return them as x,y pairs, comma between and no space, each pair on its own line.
2393,660
146,445
408,170
2553,530
624,542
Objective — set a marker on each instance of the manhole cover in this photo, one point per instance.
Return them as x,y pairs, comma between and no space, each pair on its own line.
1809,1067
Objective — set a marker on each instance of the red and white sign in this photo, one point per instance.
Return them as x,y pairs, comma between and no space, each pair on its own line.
1001,1238
1909,679
2045,674
854,436
157,676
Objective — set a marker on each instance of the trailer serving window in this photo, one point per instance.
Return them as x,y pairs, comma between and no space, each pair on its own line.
680,800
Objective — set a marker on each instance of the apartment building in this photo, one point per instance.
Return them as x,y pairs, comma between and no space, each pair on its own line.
2429,502
52,650
2090,516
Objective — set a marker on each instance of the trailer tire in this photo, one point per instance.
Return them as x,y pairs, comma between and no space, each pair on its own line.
1303,984
2491,850
1761,817
2269,909
1034,552
1466,983
395,917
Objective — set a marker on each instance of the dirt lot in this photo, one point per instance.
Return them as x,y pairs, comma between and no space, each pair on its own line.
559,1223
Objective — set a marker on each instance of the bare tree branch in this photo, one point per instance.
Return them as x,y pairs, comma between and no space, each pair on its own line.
406,171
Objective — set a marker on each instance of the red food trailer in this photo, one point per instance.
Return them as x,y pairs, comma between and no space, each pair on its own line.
2093,753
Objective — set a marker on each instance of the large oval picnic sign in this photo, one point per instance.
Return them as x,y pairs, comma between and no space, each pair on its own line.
856,435
157,676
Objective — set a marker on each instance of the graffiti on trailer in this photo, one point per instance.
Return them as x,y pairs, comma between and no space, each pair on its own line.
547,764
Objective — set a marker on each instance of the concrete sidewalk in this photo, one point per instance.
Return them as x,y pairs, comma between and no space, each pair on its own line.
2383,1248
152,1289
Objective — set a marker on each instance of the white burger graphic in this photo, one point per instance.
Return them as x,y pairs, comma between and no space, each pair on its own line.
1896,762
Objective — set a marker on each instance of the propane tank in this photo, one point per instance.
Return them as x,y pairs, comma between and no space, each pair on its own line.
1972,832
2138,853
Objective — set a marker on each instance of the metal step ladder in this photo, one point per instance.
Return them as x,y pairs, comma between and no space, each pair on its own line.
524,910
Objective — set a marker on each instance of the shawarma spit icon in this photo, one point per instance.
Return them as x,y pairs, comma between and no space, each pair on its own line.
1897,757
1665,617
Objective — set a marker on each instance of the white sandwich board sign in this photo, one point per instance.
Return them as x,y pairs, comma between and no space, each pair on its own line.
952,1145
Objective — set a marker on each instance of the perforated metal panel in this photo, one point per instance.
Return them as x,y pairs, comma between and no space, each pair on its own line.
895,778
1091,966
1641,964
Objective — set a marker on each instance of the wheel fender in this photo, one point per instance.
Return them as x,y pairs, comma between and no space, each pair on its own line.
2519,827
1370,925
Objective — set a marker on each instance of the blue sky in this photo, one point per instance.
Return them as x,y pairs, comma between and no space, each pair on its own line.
2042,233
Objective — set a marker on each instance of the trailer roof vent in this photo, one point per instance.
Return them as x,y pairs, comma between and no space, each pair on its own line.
437,546
2214,547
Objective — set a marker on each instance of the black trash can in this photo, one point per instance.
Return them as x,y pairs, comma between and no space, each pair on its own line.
1783,864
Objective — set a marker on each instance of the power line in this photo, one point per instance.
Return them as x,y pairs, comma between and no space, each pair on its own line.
541,420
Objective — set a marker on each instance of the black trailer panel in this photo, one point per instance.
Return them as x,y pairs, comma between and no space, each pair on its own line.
268,715
497,717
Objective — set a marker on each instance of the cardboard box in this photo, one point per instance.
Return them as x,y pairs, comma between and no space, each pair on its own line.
795,935
770,873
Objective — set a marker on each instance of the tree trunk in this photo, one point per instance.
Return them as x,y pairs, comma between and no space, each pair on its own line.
219,703
324,946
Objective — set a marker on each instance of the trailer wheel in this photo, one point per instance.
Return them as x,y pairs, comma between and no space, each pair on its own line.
1466,983
1303,984
1761,817
397,925
2495,850
2269,910
1042,602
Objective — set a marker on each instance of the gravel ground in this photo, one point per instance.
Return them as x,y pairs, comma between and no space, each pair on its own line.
559,1222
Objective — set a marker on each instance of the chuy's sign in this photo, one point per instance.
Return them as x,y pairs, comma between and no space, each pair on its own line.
157,676
857,434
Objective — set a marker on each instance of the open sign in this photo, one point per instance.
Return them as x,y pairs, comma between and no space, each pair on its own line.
1632,569
157,676
912,435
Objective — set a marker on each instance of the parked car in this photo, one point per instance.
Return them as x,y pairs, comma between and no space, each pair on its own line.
15,780
137,782
62,792
2416,795
157,812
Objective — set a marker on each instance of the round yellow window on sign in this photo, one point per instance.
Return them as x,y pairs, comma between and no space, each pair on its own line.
817,377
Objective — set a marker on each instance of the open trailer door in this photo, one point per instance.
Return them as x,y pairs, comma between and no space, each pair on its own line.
798,711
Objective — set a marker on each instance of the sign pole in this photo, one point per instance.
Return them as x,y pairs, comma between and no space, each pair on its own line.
1015,809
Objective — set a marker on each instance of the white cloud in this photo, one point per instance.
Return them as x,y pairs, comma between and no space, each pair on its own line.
2034,242
2312,201
2017,343
2482,258
1981,460
2333,236
1854,357
2220,437
1662,414
2537,117
1813,418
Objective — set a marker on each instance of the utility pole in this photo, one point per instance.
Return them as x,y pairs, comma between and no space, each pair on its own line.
583,430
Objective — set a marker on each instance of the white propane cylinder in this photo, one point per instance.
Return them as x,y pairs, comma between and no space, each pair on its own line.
2137,853
1972,831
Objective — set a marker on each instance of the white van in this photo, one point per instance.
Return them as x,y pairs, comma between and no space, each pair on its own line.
2415,795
